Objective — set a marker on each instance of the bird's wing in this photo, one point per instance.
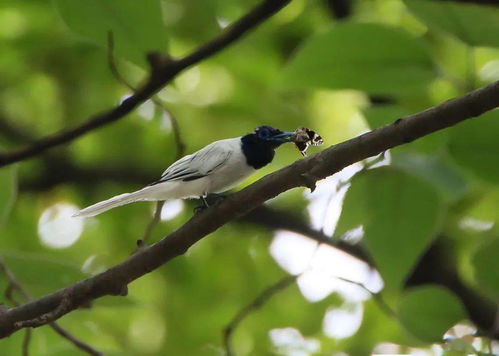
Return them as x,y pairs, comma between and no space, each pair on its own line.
198,164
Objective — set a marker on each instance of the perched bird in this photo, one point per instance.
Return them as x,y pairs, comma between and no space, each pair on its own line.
214,169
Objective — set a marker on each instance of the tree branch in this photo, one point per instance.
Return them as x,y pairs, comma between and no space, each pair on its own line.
318,166
14,284
163,71
179,143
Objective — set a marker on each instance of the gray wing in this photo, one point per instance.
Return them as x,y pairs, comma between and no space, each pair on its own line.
198,164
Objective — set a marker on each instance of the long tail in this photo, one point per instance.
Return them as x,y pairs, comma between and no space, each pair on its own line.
119,200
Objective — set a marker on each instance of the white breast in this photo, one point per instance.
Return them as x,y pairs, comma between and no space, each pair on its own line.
233,171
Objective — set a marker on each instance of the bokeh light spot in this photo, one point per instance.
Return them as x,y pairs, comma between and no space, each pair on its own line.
171,209
12,23
56,227
147,332
340,323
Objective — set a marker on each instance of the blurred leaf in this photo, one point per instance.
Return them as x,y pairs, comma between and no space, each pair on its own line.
435,170
486,267
428,312
8,191
400,214
380,115
461,346
475,146
137,26
477,25
370,57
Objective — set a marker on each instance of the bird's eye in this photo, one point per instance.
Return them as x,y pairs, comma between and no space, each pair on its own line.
264,133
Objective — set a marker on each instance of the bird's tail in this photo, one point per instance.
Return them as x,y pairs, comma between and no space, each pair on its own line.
114,202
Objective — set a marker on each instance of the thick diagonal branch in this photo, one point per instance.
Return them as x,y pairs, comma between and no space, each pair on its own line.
163,71
319,166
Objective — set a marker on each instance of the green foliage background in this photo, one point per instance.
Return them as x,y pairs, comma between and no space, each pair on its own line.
300,68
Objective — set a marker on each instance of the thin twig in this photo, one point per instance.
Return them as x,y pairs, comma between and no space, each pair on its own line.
164,70
111,62
26,341
75,341
342,183
15,285
179,143
255,304
157,216
49,317
377,297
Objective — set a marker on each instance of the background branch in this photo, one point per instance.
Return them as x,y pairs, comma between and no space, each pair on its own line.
15,285
301,173
163,71
179,143
254,305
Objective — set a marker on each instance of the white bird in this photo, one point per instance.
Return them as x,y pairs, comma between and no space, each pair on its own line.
214,169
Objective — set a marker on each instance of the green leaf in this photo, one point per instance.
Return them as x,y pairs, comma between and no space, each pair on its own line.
477,25
400,214
137,26
474,145
380,115
445,177
370,57
8,191
428,312
486,267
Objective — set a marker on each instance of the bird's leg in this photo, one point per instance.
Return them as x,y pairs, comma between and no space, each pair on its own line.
203,199
205,205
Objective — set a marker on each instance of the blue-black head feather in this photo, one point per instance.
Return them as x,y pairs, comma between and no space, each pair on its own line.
258,147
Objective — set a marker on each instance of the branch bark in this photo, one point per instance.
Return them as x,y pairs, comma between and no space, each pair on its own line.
14,284
164,69
301,173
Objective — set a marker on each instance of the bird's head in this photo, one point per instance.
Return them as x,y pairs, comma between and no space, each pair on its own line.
273,137
258,147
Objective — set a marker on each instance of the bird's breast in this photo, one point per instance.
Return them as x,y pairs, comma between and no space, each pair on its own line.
232,173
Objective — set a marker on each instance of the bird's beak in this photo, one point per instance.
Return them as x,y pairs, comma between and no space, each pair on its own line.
283,137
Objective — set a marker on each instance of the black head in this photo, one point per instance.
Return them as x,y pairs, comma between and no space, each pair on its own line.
271,136
258,147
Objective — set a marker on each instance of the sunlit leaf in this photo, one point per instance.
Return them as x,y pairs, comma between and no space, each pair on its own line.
137,26
428,312
474,24
486,267
8,191
370,57
475,146
400,215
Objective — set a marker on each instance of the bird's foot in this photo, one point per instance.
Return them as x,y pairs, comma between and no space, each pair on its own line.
214,199
199,209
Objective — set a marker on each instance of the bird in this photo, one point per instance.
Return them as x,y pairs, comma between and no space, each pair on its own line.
216,168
